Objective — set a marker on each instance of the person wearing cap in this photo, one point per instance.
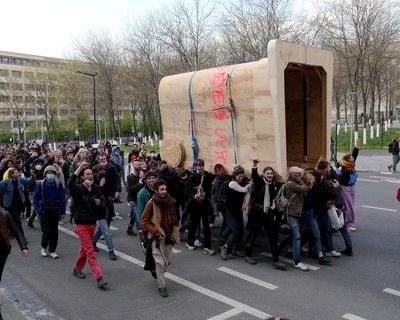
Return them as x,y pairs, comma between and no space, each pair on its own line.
49,203
295,190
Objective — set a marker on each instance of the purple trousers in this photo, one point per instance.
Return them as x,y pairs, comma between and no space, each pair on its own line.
349,197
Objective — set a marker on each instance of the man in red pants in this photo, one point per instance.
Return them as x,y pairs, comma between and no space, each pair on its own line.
88,199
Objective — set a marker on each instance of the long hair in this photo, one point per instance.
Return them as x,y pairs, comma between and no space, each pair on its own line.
4,234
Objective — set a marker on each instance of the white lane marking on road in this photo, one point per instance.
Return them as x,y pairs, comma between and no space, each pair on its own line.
386,173
226,315
351,316
243,276
379,208
311,267
113,228
367,180
385,178
216,296
212,294
392,291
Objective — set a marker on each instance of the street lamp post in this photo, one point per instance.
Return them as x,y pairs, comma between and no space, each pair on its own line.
93,75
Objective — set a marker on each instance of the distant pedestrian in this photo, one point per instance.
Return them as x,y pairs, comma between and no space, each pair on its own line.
395,155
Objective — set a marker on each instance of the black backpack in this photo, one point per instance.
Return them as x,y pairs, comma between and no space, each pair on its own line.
390,147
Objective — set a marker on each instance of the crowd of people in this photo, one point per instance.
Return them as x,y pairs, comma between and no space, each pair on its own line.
166,202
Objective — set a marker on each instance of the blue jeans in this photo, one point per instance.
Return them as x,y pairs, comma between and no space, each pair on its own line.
134,216
311,222
102,228
295,226
326,231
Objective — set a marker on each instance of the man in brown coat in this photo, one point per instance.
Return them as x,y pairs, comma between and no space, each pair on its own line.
160,221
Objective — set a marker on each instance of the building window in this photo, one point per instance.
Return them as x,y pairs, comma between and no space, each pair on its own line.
4,85
4,73
40,111
30,99
29,75
16,74
4,98
4,112
30,112
18,99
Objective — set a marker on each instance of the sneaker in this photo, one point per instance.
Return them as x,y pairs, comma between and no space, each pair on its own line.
101,283
250,260
31,226
198,244
209,251
304,249
43,252
347,252
351,229
190,247
163,292
278,265
301,266
333,253
224,253
53,255
112,255
323,261
79,274
130,231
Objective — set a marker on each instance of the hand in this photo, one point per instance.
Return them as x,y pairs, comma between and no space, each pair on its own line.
97,202
25,252
117,196
255,162
84,165
102,182
161,235
357,143
32,172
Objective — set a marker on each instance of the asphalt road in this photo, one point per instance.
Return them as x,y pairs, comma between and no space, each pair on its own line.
365,286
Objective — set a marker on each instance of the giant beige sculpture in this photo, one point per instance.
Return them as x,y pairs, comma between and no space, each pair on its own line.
277,109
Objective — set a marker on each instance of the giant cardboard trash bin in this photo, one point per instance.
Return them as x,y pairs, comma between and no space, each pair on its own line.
277,109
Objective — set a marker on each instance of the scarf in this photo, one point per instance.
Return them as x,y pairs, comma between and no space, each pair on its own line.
164,216
267,197
347,166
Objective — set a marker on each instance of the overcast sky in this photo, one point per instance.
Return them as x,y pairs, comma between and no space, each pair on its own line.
49,27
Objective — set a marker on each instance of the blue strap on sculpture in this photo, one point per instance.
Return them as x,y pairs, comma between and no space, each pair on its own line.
195,147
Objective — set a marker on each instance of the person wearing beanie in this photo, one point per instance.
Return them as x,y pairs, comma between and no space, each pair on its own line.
295,190
49,203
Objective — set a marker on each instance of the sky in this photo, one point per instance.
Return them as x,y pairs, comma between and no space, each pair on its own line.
50,27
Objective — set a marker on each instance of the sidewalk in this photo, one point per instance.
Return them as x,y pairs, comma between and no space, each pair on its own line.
9,309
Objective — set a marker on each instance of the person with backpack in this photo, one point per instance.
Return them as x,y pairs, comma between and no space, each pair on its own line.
49,202
295,190
394,150
263,214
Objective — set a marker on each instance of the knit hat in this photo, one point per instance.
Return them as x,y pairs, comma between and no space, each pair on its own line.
295,170
49,168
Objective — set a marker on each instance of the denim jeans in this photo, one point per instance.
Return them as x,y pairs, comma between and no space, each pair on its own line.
311,222
295,226
134,216
102,228
395,161
326,231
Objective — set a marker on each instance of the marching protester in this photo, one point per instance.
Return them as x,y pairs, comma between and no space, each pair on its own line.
49,203
395,154
87,201
235,195
263,214
160,221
